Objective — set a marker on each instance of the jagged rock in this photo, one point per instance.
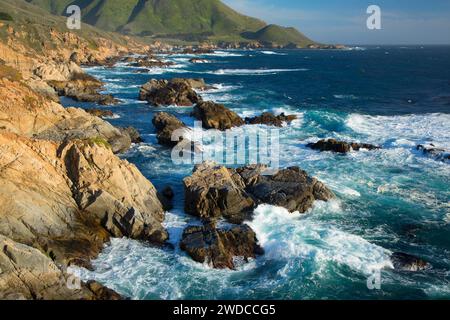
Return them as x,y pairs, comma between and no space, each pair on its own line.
168,192
84,88
150,62
100,113
114,192
433,151
26,112
270,119
74,58
52,71
26,273
178,92
101,292
215,191
66,200
216,116
407,262
165,125
219,247
134,135
290,188
340,146
166,197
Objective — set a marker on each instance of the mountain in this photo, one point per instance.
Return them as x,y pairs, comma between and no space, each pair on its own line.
178,19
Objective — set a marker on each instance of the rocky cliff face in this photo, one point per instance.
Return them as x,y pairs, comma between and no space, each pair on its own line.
26,112
60,203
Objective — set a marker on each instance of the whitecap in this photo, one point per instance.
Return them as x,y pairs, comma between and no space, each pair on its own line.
273,53
250,72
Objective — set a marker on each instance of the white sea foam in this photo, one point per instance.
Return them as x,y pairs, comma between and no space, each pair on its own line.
286,236
250,72
345,96
273,53
416,128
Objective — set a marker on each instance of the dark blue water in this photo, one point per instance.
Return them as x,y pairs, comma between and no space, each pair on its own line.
394,199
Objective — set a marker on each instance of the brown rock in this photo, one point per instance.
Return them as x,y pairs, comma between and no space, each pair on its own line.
340,146
165,125
215,191
270,119
178,92
100,113
219,247
216,116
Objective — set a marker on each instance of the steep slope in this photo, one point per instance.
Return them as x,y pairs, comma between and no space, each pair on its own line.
177,19
279,36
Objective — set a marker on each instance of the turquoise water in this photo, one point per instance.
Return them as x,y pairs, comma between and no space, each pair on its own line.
394,199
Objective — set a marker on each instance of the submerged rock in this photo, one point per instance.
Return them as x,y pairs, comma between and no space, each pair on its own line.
216,191
270,119
179,92
220,247
216,116
407,262
165,125
340,146
435,152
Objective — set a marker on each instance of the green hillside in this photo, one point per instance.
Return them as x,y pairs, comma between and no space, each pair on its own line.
277,35
34,26
182,19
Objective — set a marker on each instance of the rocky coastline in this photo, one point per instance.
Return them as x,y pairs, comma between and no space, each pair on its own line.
65,192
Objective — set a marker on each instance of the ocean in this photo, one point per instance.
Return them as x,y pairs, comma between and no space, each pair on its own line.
388,200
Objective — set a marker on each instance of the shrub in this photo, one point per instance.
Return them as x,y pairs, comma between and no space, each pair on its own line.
6,16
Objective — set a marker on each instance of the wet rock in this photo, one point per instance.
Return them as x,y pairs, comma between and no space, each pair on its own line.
214,191
101,292
407,262
100,113
150,62
219,247
197,51
168,192
340,146
291,188
165,125
270,119
216,116
166,197
178,92
435,152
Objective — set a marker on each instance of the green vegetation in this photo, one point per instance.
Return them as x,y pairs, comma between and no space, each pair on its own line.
6,16
9,73
183,20
279,35
99,141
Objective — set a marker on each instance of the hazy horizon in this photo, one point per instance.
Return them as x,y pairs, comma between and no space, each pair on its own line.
404,22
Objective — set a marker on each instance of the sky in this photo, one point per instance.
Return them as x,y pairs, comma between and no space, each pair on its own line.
344,21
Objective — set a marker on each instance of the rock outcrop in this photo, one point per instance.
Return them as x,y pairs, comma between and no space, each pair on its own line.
27,273
179,92
340,146
165,125
60,204
69,198
220,247
100,113
407,262
216,116
215,191
28,113
433,151
270,119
